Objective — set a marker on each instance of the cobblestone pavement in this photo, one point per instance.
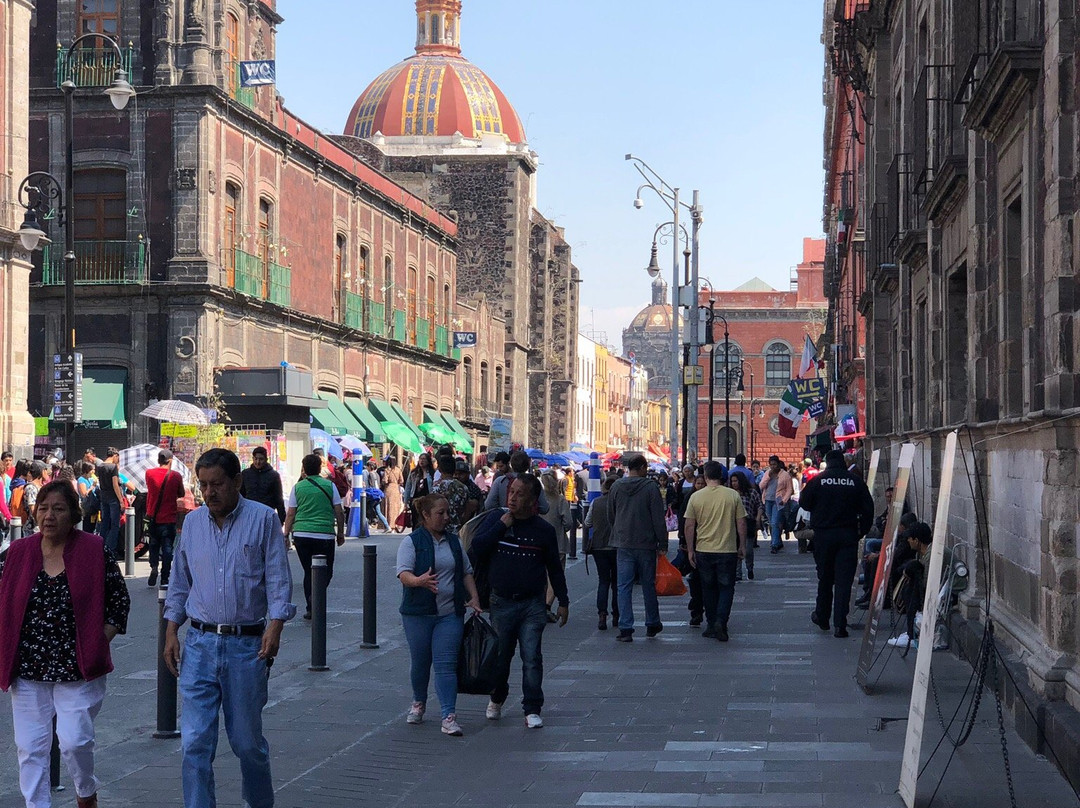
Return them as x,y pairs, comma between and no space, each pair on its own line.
772,718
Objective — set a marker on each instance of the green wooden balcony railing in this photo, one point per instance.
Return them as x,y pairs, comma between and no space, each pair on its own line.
280,285
98,263
243,95
92,67
400,332
376,319
247,273
423,334
354,310
441,341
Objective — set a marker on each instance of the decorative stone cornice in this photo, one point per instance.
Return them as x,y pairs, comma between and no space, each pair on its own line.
1010,75
912,245
947,189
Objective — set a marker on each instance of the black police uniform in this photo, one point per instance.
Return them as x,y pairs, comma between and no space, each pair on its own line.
841,510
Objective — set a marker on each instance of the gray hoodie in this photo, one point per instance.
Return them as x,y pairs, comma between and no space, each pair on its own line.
639,515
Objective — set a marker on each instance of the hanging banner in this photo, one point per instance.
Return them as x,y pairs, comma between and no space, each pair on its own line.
909,770
884,568
499,435
258,74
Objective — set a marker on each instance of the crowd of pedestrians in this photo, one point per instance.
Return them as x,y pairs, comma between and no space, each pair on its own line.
491,538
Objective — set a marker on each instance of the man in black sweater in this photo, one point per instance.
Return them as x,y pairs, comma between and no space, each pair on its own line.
261,483
841,510
521,553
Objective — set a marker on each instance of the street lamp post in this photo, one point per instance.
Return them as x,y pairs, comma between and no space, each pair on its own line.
670,196
31,234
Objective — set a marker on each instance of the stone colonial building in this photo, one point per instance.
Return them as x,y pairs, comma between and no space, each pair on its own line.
217,229
963,208
648,337
440,127
16,425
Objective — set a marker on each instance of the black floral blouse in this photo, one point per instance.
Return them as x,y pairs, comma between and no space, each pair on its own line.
47,639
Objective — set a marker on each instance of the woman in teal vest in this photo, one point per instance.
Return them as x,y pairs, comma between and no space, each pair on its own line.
438,585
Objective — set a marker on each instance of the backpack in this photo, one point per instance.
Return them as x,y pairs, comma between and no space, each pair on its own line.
17,506
341,483
91,504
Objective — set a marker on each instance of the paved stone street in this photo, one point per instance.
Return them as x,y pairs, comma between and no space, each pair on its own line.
772,718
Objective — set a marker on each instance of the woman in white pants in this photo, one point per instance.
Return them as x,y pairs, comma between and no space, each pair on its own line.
62,601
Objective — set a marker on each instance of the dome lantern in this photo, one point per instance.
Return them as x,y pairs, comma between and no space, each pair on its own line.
438,27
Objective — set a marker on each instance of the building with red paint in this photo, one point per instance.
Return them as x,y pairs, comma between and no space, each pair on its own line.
766,329
216,229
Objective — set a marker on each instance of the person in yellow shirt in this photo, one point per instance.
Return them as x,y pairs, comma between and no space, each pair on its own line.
715,541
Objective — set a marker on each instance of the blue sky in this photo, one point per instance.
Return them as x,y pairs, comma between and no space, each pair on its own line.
718,95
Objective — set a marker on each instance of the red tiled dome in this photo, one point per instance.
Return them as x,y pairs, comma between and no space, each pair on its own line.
437,92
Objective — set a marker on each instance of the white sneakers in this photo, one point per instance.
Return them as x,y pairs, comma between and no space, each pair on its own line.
416,713
533,721
493,711
450,725
903,641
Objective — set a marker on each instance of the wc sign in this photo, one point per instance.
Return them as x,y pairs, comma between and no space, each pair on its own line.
258,74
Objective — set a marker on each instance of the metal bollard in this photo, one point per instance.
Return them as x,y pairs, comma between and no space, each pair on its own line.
319,575
129,549
357,525
166,682
370,557
54,761
15,531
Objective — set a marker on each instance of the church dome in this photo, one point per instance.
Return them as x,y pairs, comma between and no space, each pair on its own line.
657,315
437,92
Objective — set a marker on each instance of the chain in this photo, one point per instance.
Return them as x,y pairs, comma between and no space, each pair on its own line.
1001,730
980,678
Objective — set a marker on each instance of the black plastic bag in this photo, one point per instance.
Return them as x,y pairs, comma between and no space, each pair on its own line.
479,658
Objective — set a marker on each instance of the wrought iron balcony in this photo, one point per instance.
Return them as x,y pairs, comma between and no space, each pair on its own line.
243,95
280,285
249,275
98,263
92,67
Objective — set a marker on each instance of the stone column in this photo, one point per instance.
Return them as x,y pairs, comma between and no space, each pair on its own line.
197,44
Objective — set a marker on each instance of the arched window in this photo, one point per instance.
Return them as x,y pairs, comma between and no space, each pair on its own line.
341,276
484,383
731,368
231,67
388,293
434,29
232,230
497,393
446,306
431,300
100,222
777,365
467,386
265,240
362,286
411,300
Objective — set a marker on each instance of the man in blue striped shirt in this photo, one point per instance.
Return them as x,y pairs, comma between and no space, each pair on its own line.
231,579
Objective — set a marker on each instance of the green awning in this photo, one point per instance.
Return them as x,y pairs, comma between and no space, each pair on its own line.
373,432
405,419
340,413
398,427
455,425
103,395
328,422
446,431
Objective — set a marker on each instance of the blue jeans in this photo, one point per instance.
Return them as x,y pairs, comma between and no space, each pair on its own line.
434,640
223,675
637,565
520,623
774,512
717,571
161,539
109,526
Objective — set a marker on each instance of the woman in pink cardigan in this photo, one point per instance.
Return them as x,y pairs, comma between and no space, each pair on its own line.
62,601
776,491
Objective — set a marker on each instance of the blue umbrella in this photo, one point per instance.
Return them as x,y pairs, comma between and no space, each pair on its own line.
323,440
535,454
354,445
562,459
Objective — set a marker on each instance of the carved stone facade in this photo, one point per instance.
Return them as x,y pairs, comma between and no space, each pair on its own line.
16,425
248,238
971,306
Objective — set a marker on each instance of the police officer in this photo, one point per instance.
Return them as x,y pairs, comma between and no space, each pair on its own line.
841,509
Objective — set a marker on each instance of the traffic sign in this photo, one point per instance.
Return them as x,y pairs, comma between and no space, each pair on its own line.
693,375
67,387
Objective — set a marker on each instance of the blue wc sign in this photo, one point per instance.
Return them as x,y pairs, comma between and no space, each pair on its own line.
258,74
464,339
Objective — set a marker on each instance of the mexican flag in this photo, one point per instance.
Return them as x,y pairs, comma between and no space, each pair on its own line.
791,410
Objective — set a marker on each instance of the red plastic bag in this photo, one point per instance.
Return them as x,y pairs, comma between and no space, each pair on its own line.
669,581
